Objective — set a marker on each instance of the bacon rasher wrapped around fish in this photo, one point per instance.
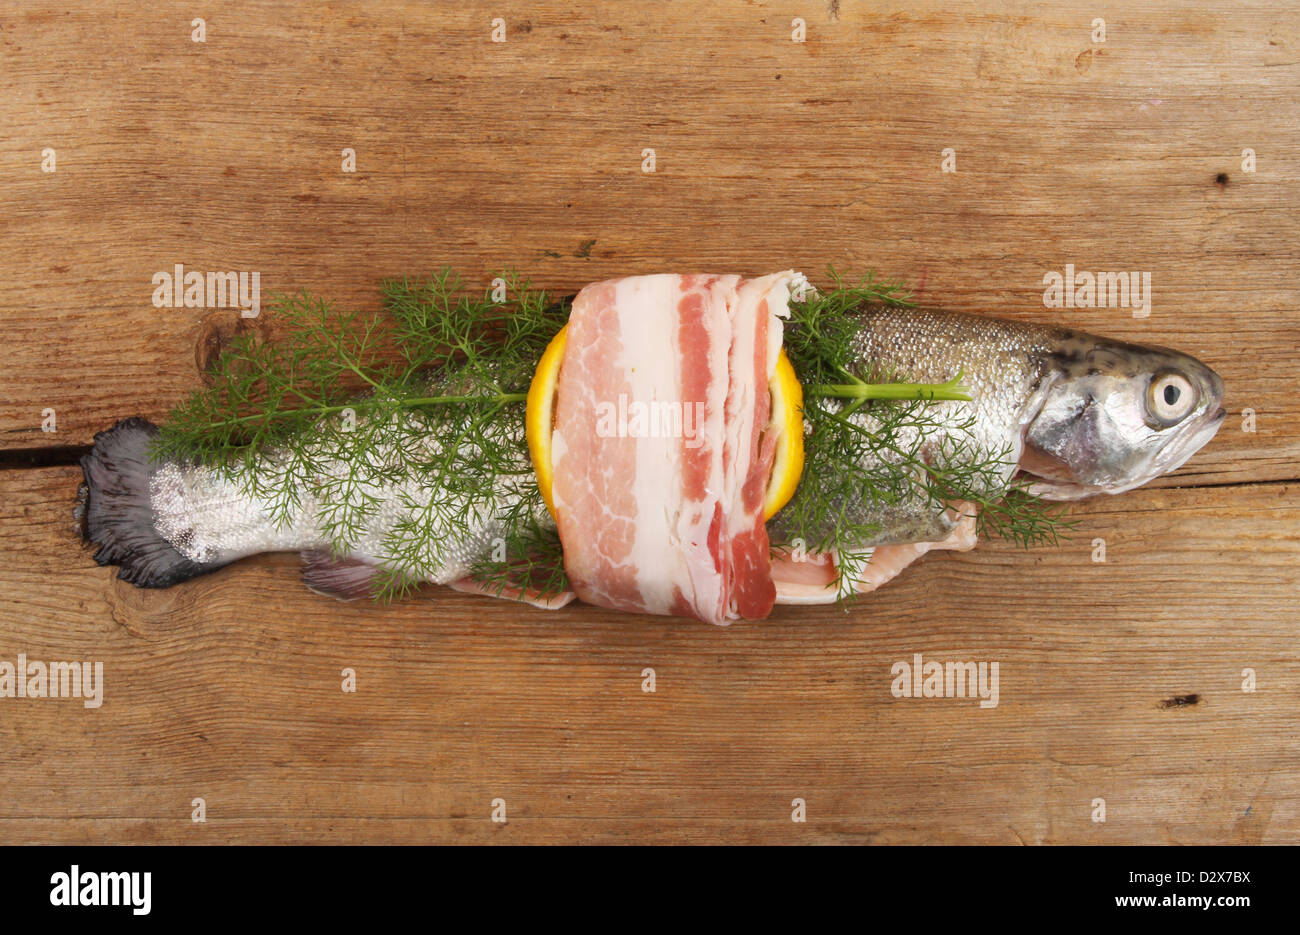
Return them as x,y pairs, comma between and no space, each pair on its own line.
704,446
665,514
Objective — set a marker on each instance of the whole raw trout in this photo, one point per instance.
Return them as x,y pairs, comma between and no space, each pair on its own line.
1076,413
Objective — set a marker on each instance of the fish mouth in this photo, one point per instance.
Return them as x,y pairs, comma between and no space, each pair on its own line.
1049,488
1169,458
1176,454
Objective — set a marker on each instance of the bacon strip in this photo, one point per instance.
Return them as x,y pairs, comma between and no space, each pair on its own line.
660,451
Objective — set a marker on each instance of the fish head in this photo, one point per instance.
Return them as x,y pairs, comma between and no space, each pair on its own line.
1115,416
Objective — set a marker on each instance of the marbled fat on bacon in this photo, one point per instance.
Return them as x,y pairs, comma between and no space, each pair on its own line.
669,523
750,448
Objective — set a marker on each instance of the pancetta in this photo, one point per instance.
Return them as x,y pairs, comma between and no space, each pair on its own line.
661,447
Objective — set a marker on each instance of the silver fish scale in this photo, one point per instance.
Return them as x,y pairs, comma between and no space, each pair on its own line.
209,518
1001,362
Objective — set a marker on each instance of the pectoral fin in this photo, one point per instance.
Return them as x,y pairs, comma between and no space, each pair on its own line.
344,579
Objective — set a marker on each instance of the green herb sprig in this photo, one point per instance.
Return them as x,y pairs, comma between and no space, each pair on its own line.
426,398
899,449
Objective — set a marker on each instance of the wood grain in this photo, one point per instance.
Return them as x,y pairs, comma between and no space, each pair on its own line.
226,155
229,688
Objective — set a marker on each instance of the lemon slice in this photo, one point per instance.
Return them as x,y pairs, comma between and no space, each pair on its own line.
539,418
787,421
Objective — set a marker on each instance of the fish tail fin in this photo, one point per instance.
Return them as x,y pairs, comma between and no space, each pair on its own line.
117,512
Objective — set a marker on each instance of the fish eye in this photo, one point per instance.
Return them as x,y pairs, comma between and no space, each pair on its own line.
1170,397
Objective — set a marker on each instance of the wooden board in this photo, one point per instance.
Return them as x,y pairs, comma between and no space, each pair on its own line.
229,688
226,155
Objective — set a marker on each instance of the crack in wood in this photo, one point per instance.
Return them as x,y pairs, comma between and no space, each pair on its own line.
57,456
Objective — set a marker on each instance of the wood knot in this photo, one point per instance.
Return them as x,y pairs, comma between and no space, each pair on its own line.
216,331
1083,61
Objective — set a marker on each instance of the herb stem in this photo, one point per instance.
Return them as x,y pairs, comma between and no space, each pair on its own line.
501,399
952,389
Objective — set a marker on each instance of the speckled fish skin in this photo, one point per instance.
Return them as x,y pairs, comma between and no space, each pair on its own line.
211,520
165,522
1067,403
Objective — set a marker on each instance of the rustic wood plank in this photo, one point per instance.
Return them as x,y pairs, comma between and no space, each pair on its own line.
225,155
228,687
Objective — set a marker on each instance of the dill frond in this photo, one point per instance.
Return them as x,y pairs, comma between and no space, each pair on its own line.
422,402
872,444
